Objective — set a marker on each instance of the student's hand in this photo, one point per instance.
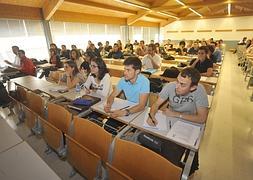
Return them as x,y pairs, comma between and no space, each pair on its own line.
107,108
118,113
152,122
87,91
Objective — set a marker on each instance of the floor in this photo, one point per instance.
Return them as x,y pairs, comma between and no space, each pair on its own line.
227,147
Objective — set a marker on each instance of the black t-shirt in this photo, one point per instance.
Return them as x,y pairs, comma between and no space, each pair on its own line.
202,66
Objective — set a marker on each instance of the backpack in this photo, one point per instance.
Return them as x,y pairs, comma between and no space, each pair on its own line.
4,96
171,72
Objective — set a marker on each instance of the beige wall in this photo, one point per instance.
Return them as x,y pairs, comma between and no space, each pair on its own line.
233,28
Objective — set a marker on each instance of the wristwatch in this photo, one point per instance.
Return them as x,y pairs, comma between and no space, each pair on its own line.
180,116
127,112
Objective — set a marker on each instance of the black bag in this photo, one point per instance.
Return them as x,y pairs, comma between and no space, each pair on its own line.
172,72
168,57
156,85
169,150
4,96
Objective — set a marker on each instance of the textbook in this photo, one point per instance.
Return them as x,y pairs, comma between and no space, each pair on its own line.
59,88
184,133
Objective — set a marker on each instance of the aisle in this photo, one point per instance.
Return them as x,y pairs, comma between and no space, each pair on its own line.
227,148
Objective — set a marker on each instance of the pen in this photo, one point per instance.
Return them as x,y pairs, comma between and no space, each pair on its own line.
170,123
124,107
151,118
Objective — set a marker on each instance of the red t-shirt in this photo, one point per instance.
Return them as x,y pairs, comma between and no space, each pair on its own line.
27,66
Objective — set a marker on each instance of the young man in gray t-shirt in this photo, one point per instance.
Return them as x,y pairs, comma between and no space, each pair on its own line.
187,99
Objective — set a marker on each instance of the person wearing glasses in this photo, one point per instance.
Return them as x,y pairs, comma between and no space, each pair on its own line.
187,100
202,63
99,80
72,76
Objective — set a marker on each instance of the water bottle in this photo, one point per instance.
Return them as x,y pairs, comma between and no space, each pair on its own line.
78,90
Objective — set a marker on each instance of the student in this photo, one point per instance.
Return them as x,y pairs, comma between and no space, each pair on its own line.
85,69
58,50
99,80
55,60
27,66
187,100
75,56
129,48
71,76
120,45
65,52
217,52
107,47
194,49
202,63
142,49
151,60
115,53
16,62
135,86
181,50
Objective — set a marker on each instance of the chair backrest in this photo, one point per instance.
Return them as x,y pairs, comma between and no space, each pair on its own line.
82,159
115,174
59,117
92,136
30,117
21,94
209,88
140,163
35,103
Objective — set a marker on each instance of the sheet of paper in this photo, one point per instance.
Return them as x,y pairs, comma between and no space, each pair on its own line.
184,133
162,122
58,88
118,104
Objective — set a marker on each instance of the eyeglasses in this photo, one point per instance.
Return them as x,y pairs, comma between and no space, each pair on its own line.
93,66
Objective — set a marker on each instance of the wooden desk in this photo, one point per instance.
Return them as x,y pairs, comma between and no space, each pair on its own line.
31,83
22,162
8,137
48,90
45,66
115,70
115,81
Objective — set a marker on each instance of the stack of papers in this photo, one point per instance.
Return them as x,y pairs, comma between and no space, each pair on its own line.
162,122
184,133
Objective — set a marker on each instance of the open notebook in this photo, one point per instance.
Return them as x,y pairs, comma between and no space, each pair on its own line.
58,89
162,122
184,133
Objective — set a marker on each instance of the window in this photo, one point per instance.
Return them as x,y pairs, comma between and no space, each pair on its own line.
27,34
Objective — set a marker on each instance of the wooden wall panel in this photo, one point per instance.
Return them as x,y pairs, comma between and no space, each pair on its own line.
87,18
20,12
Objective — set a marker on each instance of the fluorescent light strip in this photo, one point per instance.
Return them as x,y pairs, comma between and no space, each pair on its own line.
132,4
229,9
195,12
183,4
165,14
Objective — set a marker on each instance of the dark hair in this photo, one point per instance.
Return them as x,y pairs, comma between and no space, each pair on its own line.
102,69
204,48
100,44
21,51
53,44
181,43
73,45
77,53
152,46
72,64
86,66
142,41
53,50
192,73
15,47
63,45
211,48
134,61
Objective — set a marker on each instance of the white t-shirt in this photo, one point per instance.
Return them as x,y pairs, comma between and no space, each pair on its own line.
104,88
17,61
147,64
